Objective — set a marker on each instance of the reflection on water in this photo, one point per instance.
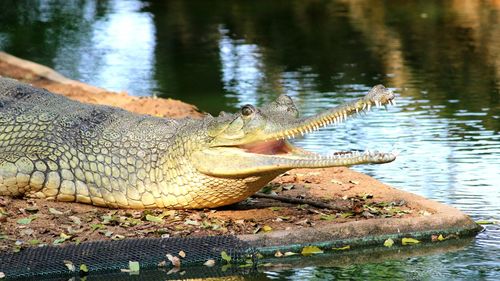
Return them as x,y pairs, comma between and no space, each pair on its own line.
441,58
93,41
124,35
242,71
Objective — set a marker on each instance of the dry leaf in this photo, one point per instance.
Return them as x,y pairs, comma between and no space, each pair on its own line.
84,268
389,242
117,237
327,217
173,270
55,212
191,222
69,265
133,267
152,218
209,263
347,247
267,228
31,209
25,220
75,220
225,256
176,262
409,241
311,250
182,254
483,222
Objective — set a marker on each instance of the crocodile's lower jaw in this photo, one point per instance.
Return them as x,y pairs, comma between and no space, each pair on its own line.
275,156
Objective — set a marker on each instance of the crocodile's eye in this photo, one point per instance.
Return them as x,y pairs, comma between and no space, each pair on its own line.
247,110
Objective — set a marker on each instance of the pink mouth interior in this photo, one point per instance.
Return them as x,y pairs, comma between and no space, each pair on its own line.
267,147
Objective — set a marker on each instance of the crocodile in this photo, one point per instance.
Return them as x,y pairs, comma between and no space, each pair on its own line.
55,148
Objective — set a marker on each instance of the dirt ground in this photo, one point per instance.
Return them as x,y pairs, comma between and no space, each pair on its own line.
351,196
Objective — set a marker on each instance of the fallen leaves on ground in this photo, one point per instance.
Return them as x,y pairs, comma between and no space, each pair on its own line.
311,250
486,222
133,267
176,262
209,263
225,256
440,237
69,264
152,218
409,241
344,248
84,268
27,220
389,242
267,228
62,237
35,222
55,212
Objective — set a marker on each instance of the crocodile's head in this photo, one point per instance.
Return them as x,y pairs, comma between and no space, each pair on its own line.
254,140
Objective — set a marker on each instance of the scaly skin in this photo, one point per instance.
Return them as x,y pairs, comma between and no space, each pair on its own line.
55,148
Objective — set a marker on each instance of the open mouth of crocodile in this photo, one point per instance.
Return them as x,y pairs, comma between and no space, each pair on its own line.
283,148
272,147
275,153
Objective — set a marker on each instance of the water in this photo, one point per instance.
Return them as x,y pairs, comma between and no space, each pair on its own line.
441,58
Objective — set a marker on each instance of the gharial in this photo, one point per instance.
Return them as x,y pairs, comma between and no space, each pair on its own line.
55,148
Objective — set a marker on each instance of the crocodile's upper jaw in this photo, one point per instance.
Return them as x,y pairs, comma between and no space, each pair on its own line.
254,141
